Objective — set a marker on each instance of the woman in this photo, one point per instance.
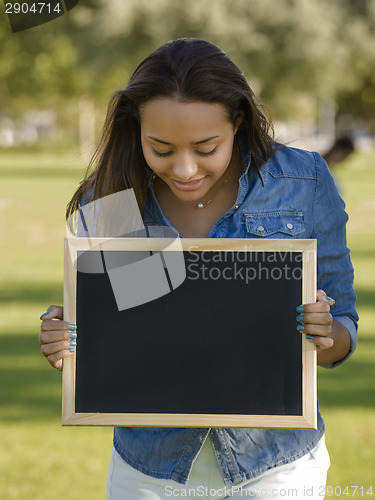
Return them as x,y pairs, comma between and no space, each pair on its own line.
187,135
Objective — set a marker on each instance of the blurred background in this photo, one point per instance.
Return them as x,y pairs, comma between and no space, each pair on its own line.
310,62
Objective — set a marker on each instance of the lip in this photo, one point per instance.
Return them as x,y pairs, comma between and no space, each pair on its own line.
189,186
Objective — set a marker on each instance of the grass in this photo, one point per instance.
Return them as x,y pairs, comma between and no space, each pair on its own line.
41,460
38,458
347,394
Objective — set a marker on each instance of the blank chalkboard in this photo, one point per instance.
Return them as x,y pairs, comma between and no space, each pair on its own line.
189,333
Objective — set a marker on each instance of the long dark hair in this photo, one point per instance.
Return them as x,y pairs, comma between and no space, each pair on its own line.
189,69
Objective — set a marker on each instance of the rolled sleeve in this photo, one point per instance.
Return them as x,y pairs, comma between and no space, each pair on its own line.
335,270
351,326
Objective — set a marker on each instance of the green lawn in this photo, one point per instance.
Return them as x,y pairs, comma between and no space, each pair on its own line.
39,459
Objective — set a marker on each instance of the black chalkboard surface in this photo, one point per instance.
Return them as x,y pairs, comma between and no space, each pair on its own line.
217,347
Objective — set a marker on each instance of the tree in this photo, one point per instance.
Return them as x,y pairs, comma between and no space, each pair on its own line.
295,52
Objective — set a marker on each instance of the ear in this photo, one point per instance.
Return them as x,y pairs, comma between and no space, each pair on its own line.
236,124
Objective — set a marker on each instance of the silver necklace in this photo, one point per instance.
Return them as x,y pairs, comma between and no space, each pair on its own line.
203,205
216,187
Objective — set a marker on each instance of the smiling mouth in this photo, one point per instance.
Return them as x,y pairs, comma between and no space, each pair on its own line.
188,186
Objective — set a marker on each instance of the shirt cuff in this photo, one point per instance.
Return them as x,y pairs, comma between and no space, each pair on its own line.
351,326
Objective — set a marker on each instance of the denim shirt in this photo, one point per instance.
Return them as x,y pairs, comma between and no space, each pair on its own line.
293,196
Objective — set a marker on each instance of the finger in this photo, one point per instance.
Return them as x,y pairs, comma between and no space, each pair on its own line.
53,312
322,342
321,295
323,303
53,324
57,359
319,330
54,347
318,318
51,336
318,307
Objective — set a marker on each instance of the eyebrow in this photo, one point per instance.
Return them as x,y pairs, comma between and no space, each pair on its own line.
169,144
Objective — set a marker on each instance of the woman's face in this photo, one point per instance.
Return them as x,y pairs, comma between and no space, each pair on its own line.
188,145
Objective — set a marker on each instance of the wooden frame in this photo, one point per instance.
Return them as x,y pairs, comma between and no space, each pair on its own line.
308,418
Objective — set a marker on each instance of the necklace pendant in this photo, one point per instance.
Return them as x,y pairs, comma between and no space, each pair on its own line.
200,205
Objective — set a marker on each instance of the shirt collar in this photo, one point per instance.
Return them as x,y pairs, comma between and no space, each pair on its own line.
246,160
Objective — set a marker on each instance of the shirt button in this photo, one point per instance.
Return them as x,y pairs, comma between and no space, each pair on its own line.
260,228
236,206
289,226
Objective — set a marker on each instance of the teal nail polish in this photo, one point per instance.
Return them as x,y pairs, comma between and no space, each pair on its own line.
72,328
47,312
309,337
299,317
300,328
72,342
299,309
72,335
329,299
72,349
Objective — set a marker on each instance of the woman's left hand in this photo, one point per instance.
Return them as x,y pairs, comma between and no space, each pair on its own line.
316,320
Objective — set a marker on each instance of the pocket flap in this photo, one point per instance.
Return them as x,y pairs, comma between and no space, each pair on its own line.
281,221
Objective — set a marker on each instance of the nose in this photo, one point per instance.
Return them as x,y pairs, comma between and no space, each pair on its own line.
185,167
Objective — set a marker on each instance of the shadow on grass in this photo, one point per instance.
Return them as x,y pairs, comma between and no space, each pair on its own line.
41,294
368,342
352,384
365,298
30,387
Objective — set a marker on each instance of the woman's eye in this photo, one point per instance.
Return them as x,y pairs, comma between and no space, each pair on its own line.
161,154
201,153
209,153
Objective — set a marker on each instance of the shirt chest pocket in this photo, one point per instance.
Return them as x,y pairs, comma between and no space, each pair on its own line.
278,224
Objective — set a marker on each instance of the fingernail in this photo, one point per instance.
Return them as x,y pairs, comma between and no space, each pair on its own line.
309,337
72,349
329,299
299,317
72,335
72,342
300,328
72,327
44,314
299,309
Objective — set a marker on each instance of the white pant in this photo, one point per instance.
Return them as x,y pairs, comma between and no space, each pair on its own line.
304,478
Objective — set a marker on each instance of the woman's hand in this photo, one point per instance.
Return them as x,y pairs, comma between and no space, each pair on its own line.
330,336
57,338
317,320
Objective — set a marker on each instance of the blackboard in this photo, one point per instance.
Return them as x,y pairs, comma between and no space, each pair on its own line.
207,339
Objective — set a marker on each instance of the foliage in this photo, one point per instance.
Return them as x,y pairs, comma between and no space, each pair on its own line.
293,51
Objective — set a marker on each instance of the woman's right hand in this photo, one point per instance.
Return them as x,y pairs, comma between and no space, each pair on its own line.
57,338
